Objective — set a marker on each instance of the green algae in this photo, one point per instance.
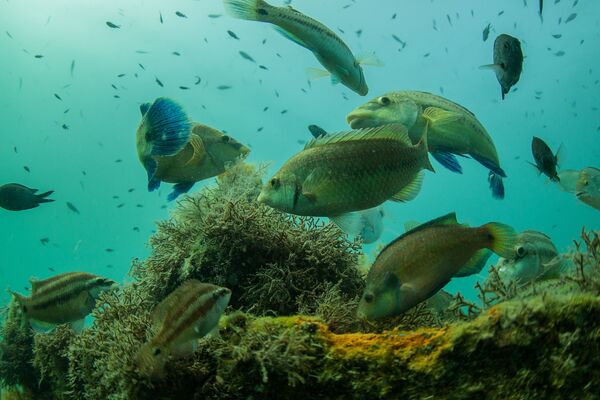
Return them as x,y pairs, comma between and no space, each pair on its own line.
541,342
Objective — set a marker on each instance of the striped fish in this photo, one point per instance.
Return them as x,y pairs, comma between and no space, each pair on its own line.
328,48
61,299
190,312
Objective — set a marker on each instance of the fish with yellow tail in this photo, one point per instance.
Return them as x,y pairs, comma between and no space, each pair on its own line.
189,313
422,261
62,299
349,171
453,130
328,48
176,150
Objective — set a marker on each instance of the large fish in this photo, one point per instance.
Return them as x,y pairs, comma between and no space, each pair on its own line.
62,299
508,62
190,312
173,149
452,129
349,171
545,161
16,197
534,258
422,261
327,47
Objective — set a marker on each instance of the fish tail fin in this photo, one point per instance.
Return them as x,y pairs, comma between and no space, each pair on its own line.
168,127
496,185
41,198
502,239
252,10
424,147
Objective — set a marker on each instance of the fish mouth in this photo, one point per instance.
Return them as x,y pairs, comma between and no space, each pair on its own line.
358,119
262,198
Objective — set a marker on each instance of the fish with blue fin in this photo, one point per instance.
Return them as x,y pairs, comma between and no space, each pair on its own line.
453,130
176,150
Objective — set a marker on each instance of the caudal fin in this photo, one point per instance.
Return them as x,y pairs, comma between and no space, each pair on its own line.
252,10
496,185
168,127
41,197
423,145
503,239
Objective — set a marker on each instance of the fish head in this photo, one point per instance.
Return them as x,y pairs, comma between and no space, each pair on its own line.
280,192
221,296
567,180
100,284
151,359
357,80
588,183
226,150
383,110
371,224
381,298
525,265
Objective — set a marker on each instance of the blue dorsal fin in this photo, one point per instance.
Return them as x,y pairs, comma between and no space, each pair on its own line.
168,127
144,108
448,219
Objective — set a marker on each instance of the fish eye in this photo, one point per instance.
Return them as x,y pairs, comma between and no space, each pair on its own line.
225,139
521,251
384,100
274,183
156,351
368,297
506,46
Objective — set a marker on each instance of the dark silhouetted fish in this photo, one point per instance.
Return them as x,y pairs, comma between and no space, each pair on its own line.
72,207
16,197
508,61
111,25
545,161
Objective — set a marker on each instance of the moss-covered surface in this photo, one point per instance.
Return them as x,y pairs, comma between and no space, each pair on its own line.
536,344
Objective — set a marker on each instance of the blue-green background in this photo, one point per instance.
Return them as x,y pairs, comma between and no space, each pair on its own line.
102,127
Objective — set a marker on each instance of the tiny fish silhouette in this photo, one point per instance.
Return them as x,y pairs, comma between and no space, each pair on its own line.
180,14
72,207
233,35
111,25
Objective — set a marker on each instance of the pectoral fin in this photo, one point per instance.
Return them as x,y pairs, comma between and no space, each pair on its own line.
410,191
199,151
444,122
475,264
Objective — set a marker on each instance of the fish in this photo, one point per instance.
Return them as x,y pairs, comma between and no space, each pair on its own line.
72,68
587,188
176,150
26,168
160,17
223,87
541,8
233,35
534,257
112,25
39,56
567,180
246,56
44,241
545,162
329,49
158,82
452,129
62,299
419,263
187,314
570,18
349,171
72,207
180,14
16,197
508,62
486,32
367,225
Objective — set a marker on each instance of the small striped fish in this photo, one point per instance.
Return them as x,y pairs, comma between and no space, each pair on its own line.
190,312
328,48
61,299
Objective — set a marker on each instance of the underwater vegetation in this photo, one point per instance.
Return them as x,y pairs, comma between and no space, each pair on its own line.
291,330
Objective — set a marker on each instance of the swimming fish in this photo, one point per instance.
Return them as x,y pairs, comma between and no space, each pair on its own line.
189,313
72,207
486,32
112,25
173,149
452,129
61,299
16,197
366,224
508,62
534,258
349,171
422,261
328,48
545,161
588,187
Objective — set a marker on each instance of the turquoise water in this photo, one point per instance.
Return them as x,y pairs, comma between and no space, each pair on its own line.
95,158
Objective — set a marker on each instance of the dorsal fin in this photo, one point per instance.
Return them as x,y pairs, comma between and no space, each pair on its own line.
35,285
448,219
392,131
